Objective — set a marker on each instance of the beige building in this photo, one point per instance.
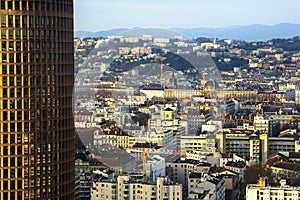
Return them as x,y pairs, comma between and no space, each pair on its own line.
153,92
115,139
257,147
206,187
126,188
244,146
179,171
205,142
263,124
262,191
182,93
123,140
239,94
160,139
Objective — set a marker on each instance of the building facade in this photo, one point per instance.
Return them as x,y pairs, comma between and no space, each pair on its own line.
125,188
155,167
179,171
204,142
36,89
262,191
199,186
258,147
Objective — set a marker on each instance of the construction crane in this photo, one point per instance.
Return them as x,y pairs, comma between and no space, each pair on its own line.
144,164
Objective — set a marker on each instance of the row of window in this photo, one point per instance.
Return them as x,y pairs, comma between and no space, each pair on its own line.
13,81
37,69
43,116
13,116
35,46
13,152
27,34
16,116
35,57
13,173
24,21
37,5
14,127
15,92
17,185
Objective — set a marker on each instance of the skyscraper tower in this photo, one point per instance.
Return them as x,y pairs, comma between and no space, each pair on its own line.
36,87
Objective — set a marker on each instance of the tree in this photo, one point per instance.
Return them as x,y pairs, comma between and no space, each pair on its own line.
252,174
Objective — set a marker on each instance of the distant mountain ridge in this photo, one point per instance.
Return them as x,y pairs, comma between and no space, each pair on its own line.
87,34
252,32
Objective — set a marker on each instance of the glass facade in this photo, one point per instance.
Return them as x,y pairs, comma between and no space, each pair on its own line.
36,88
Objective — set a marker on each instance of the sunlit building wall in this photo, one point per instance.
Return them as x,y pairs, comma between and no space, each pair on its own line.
36,87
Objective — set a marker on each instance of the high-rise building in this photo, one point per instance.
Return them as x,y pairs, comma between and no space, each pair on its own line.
36,86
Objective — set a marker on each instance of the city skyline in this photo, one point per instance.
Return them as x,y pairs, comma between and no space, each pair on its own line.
177,126
149,115
97,16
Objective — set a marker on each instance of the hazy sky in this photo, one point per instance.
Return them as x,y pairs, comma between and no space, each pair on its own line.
95,15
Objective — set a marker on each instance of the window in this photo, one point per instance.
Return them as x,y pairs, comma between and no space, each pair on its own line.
11,69
24,32
17,20
3,20
24,21
18,57
3,34
4,58
17,5
11,34
5,128
23,5
11,57
2,2
9,5
3,46
30,5
11,45
12,94
4,94
4,80
18,46
10,21
18,34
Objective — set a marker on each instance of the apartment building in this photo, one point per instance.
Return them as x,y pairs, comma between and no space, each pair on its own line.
125,187
262,191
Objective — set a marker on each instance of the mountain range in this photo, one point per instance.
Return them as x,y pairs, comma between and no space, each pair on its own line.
252,32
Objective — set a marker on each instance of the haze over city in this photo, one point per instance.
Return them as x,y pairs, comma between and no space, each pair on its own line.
94,15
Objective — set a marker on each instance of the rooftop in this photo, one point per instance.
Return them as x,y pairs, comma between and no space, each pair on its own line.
238,164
